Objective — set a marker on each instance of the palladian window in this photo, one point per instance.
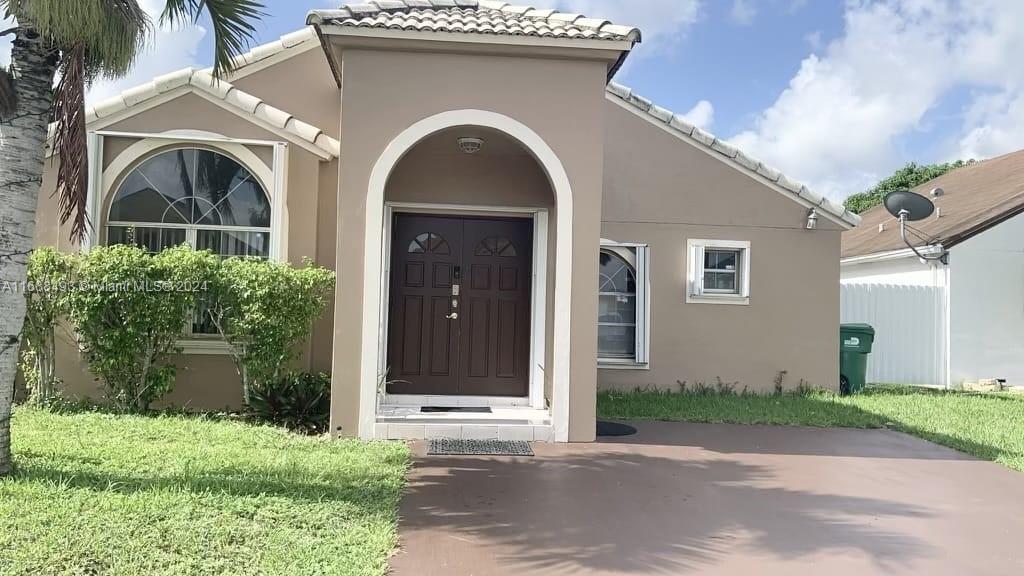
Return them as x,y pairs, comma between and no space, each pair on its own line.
192,196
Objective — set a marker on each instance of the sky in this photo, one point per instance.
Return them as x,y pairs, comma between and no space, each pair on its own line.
835,93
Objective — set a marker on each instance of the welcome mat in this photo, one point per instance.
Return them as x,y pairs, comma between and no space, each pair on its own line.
457,447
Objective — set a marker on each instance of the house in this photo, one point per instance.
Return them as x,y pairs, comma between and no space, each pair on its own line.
511,229
960,319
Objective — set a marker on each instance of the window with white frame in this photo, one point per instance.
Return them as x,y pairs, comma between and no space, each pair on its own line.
194,196
622,305
718,271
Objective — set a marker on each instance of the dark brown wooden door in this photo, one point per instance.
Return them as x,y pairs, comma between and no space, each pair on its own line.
459,313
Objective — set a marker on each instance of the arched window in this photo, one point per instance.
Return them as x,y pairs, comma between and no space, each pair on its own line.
496,246
622,304
429,243
195,196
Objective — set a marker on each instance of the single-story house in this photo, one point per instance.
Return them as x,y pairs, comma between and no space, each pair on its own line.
510,229
953,320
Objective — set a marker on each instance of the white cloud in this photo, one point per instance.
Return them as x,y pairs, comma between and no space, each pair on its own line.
168,50
702,115
838,123
662,22
743,12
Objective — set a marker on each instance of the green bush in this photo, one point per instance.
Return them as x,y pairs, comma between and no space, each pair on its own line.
129,309
50,276
264,310
300,402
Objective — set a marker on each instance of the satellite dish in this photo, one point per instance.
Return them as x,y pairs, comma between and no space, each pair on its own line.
907,205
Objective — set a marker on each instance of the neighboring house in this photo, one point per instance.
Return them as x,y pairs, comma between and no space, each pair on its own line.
509,228
945,323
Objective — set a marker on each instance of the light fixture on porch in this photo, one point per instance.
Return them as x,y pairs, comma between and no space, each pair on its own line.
470,145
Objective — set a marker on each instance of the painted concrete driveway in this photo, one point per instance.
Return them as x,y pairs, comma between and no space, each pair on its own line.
715,499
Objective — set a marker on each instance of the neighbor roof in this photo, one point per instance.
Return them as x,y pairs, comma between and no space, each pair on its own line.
472,17
678,125
975,198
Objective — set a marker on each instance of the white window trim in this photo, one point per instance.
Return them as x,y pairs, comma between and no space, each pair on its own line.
103,183
643,310
695,272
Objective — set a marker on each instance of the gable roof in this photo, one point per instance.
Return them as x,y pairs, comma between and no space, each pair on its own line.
200,82
683,130
472,17
976,197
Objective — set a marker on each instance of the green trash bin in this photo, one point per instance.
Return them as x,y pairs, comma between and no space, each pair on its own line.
855,342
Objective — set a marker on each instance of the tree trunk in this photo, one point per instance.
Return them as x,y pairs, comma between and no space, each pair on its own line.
22,143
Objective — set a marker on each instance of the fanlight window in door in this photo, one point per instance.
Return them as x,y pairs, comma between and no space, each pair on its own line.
429,243
194,196
496,246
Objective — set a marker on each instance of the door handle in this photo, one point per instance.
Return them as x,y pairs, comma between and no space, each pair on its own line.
453,316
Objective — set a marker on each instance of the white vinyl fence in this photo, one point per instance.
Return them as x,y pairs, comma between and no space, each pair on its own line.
909,326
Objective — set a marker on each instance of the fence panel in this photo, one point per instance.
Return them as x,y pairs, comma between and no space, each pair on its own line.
909,326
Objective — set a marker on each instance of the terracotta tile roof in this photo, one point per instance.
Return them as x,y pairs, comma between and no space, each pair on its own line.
976,197
684,130
472,17
274,119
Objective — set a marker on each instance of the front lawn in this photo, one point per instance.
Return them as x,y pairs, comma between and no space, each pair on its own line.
105,494
989,426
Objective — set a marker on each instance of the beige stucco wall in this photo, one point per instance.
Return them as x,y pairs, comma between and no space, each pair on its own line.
661,191
210,382
386,92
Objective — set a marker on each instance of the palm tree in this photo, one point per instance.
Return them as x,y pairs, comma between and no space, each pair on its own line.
74,41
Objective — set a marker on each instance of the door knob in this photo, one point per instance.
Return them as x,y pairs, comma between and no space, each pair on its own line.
453,316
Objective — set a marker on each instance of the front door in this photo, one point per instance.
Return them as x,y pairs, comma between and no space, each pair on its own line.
459,311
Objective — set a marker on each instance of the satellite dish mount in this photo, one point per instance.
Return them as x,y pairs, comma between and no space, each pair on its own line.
906,206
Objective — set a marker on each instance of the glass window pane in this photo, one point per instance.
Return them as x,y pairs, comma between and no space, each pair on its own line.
234,243
615,274
616,342
616,308
192,186
717,259
149,239
720,281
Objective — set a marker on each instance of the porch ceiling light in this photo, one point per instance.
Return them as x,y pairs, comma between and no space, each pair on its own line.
470,145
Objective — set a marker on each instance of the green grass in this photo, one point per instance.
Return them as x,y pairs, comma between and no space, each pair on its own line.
105,494
989,426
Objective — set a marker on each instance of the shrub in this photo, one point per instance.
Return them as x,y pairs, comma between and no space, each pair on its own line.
50,276
264,310
129,308
300,402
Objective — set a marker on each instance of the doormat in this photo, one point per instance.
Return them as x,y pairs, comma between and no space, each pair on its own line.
457,447
614,429
475,409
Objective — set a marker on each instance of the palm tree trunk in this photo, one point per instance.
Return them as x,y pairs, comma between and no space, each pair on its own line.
22,143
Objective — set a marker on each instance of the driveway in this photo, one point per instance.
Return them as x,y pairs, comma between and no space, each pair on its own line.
715,499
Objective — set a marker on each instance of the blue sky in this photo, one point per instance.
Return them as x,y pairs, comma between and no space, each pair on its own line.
835,93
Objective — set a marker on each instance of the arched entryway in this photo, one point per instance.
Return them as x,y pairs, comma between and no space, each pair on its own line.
461,202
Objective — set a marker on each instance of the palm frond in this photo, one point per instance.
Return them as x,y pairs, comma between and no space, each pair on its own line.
231,20
69,140
112,31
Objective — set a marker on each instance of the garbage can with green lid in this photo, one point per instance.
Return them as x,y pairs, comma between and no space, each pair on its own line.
855,342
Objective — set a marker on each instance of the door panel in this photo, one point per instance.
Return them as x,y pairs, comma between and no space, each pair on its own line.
496,351
423,344
459,312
